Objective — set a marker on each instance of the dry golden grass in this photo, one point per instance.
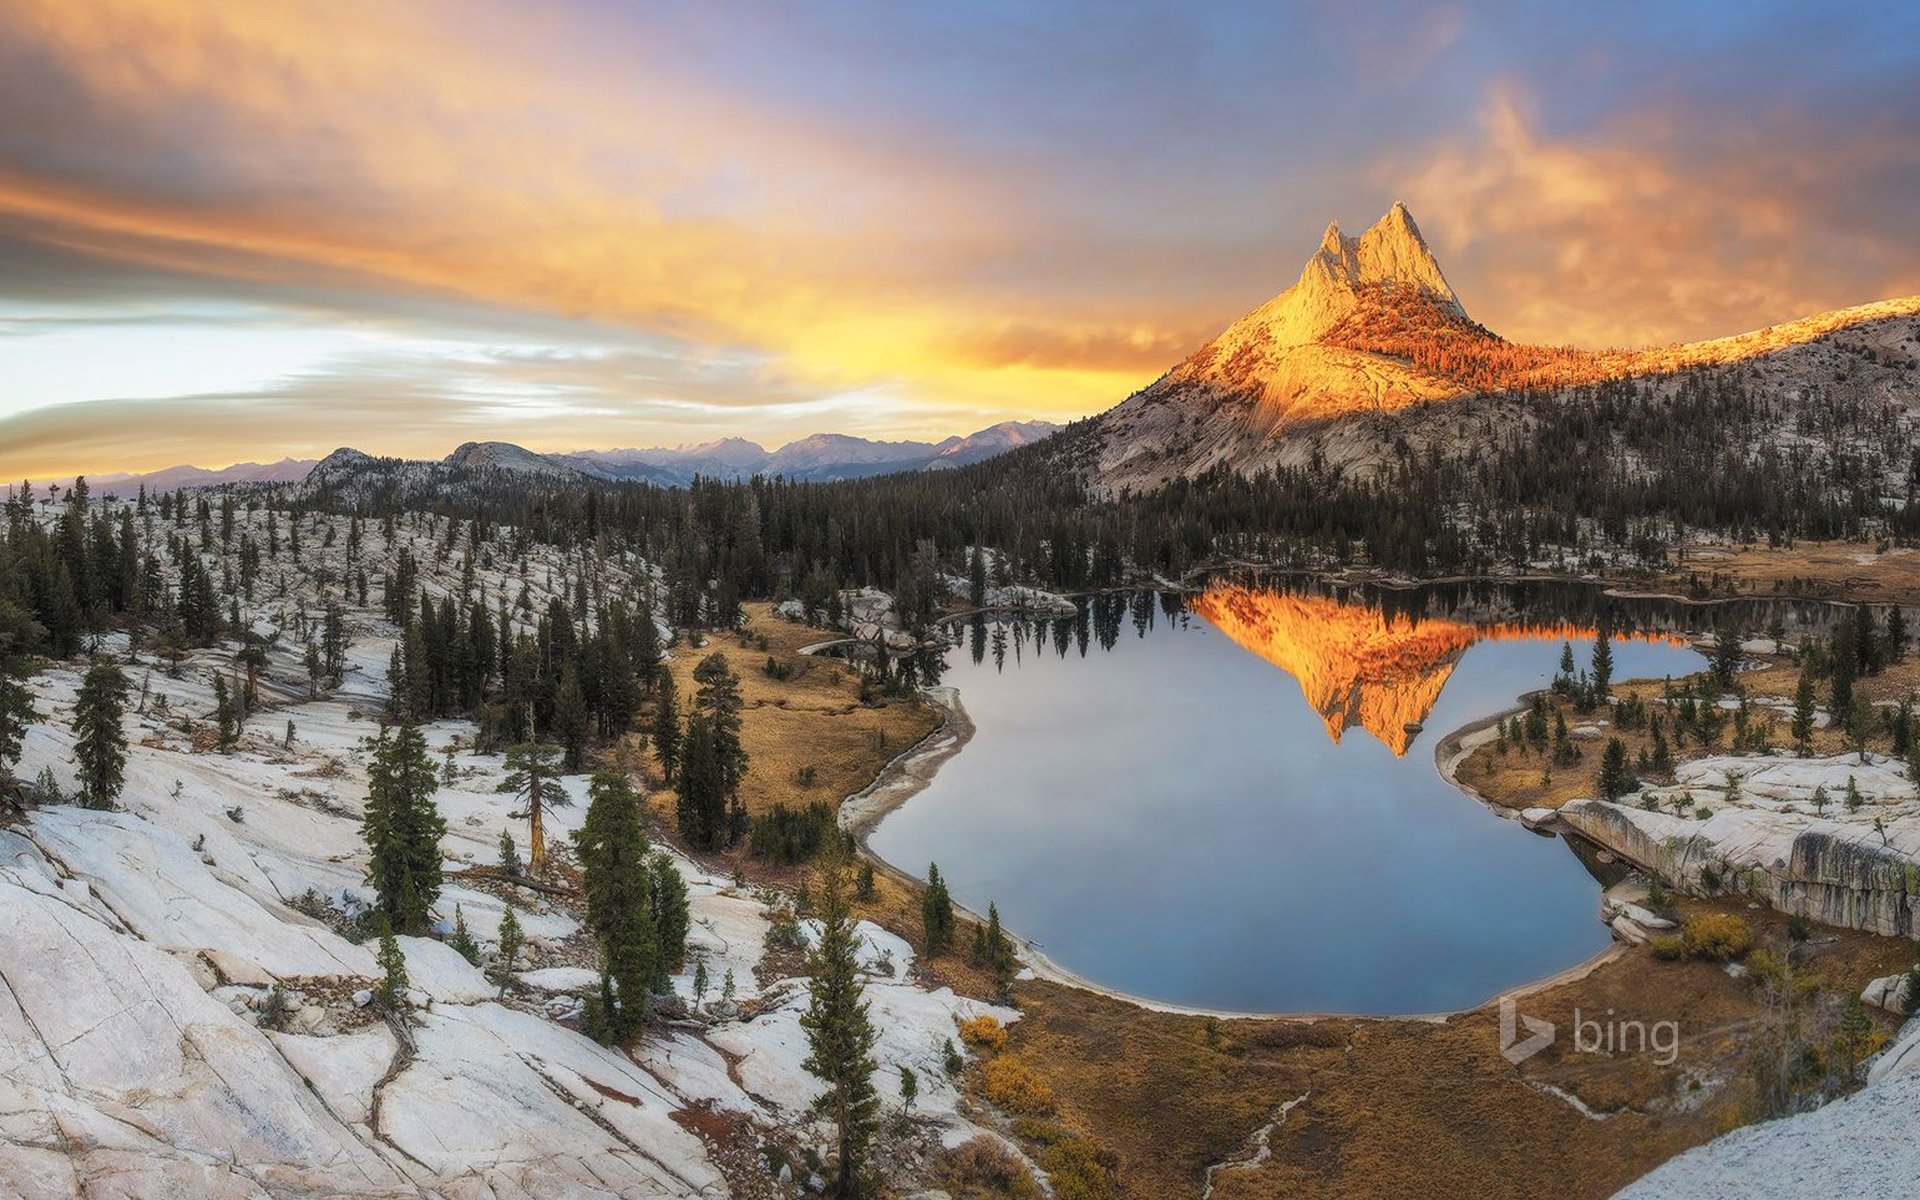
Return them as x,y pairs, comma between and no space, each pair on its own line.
1403,1108
1824,570
812,720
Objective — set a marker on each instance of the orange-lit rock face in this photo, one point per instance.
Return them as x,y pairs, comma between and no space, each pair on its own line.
1355,664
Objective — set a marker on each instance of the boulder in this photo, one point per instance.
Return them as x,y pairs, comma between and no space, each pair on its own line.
1889,992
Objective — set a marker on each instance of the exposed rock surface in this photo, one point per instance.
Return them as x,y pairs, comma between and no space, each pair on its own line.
1862,1146
176,1021
1764,838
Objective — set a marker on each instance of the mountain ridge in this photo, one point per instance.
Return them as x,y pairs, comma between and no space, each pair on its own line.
820,457
1373,329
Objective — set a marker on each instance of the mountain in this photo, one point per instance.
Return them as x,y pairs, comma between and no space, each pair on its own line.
287,470
1350,365
820,457
1366,667
505,456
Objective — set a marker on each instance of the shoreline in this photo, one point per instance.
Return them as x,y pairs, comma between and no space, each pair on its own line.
910,772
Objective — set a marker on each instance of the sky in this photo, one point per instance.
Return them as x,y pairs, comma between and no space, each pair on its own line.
234,232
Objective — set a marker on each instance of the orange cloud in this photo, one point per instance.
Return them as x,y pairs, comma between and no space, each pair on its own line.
1639,235
403,146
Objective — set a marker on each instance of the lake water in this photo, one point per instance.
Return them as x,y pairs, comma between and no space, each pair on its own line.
1155,796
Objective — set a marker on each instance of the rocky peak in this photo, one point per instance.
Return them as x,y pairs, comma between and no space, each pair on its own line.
505,456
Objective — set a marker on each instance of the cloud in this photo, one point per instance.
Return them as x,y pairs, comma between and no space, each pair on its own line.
1658,226
377,147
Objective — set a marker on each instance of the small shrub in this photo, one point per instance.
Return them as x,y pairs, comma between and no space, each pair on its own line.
985,1032
984,1166
1079,1170
1013,1085
1668,946
1721,937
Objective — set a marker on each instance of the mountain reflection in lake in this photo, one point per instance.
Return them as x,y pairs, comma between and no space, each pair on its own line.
1150,801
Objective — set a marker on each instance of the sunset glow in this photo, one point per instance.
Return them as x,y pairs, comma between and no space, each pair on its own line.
598,224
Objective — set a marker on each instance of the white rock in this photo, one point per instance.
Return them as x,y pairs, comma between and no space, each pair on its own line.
561,980
1888,992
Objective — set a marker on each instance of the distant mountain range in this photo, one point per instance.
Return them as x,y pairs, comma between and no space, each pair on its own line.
820,457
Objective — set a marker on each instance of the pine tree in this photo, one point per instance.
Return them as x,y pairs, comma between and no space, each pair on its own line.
666,726
223,715
509,855
511,939
461,939
701,799
672,911
840,1032
402,828
998,953
1726,655
533,775
1602,682
719,698
100,745
572,723
618,885
936,913
16,702
1616,779
391,994
1803,715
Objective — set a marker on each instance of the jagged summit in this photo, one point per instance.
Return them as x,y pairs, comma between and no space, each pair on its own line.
1373,327
1391,255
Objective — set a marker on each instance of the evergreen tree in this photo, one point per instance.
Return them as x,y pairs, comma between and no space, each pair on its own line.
618,884
572,723
223,714
666,725
1602,681
719,698
461,939
402,828
840,1032
1844,664
701,798
18,632
1803,714
1726,655
509,855
100,745
1616,779
391,994
672,911
511,939
936,914
1896,636
533,775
